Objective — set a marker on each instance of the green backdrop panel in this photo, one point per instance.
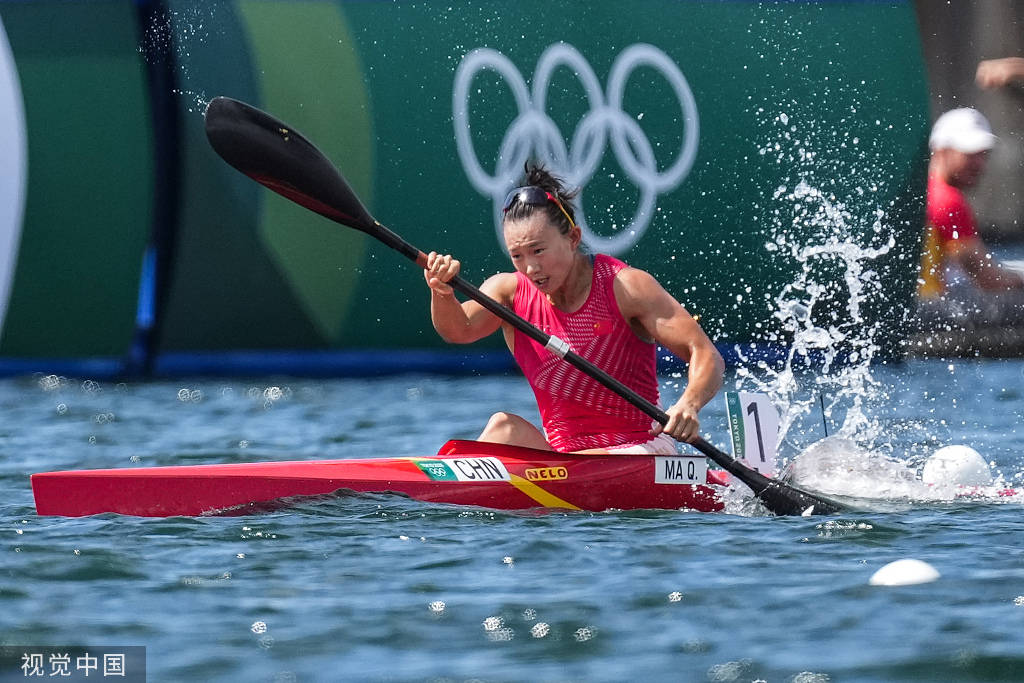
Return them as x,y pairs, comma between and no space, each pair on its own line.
226,291
799,124
827,96
88,207
320,260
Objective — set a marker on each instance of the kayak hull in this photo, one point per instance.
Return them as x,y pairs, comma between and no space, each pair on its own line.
463,473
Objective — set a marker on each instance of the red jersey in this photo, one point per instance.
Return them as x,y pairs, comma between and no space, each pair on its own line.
577,411
949,218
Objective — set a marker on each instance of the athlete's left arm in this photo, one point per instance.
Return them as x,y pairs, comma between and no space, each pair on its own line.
655,314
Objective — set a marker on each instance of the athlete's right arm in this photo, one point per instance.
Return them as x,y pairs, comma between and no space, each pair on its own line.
988,273
996,73
463,322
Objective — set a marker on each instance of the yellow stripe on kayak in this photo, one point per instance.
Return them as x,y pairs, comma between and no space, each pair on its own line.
540,495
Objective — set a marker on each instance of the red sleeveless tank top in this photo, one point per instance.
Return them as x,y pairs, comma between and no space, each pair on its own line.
577,411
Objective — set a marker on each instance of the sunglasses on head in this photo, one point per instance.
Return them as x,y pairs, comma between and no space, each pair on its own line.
534,196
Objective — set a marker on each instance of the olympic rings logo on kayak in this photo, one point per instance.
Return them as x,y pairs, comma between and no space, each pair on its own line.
534,135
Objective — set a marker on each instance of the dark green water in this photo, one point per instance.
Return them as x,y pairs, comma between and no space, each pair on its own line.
383,588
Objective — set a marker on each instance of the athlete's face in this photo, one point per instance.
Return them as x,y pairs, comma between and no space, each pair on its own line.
962,169
540,252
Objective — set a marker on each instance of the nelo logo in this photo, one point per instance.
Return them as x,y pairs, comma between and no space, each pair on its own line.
547,474
534,135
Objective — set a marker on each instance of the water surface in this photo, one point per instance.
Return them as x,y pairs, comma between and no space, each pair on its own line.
377,587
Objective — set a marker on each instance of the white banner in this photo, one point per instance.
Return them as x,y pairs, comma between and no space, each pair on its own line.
14,177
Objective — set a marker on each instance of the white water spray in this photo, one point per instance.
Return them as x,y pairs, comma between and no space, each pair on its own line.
835,251
832,344
176,33
836,346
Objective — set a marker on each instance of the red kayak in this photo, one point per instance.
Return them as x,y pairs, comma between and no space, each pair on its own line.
463,473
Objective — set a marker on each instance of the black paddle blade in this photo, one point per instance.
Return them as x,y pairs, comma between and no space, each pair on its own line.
786,499
779,497
275,155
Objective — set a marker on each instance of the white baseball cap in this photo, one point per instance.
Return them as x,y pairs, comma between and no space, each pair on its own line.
965,130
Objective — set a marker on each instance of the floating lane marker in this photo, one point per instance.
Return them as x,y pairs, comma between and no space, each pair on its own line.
908,572
956,466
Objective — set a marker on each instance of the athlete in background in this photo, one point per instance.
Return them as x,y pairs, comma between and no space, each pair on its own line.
960,142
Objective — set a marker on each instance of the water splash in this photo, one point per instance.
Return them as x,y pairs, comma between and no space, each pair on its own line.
839,466
821,313
829,318
836,245
171,35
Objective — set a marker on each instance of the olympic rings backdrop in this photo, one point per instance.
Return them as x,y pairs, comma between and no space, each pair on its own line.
739,151
534,136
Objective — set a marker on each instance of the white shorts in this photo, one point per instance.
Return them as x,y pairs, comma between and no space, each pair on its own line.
662,444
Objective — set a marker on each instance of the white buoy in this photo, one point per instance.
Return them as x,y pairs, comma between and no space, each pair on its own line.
957,466
908,572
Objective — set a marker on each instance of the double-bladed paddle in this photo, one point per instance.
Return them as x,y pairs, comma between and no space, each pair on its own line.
273,154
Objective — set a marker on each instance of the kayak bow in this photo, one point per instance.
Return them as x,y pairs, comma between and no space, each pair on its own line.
463,473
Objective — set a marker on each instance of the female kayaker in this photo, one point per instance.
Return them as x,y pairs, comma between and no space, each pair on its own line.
609,313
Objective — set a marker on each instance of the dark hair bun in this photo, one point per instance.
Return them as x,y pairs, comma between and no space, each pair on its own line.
561,214
537,175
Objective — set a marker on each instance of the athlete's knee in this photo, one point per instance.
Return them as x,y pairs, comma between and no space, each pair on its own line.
502,424
513,430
